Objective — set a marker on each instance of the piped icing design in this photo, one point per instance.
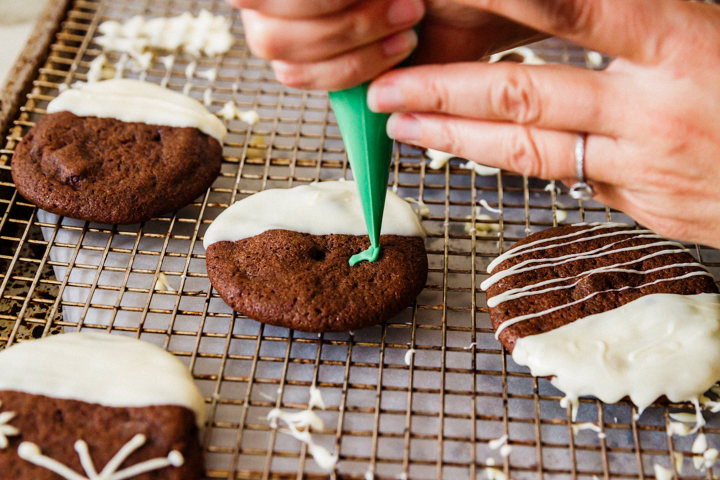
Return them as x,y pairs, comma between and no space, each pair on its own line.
135,101
324,208
110,370
642,349
659,344
6,430
32,453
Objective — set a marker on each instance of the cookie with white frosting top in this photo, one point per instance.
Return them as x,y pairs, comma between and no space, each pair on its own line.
608,310
119,151
281,257
80,403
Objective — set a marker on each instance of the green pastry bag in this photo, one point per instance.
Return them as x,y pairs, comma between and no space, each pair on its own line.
369,150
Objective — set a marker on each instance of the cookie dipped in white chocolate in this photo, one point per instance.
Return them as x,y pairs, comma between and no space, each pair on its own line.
135,101
109,370
659,344
318,209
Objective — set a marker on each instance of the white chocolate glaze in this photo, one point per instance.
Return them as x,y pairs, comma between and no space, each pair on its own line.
318,209
135,101
206,33
110,370
643,350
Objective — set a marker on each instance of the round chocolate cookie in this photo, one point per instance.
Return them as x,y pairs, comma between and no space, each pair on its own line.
572,272
304,282
108,171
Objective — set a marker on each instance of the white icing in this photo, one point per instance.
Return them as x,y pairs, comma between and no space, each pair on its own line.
94,73
207,33
551,187
370,473
578,427
487,207
683,417
111,370
676,428
162,284
481,223
190,69
482,170
207,97
522,249
409,356
679,458
31,452
299,425
230,112
529,290
5,429
210,74
710,457
594,59
574,257
316,400
318,209
423,210
528,55
493,473
505,451
700,444
561,215
136,101
498,442
709,404
470,347
437,158
662,473
528,316
642,350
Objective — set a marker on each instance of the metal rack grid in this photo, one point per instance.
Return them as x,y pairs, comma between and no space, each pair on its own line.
430,419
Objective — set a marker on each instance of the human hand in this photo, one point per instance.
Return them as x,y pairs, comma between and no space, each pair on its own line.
653,116
341,43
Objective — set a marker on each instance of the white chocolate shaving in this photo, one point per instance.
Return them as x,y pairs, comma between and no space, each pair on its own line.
204,34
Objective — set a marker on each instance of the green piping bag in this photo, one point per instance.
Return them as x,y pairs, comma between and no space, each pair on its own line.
369,150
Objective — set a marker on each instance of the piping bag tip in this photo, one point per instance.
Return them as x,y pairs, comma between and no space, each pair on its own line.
369,150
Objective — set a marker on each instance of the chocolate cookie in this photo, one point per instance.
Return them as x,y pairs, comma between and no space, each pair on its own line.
304,282
576,271
108,171
88,402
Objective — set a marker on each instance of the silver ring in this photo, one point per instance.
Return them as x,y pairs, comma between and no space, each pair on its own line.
581,190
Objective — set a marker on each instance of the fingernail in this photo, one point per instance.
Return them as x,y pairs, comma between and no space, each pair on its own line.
385,98
403,127
400,43
405,12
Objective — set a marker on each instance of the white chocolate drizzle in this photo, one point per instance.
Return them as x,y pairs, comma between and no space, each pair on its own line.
31,452
5,429
318,209
135,101
299,425
316,400
409,356
110,370
574,257
229,111
206,34
662,473
482,170
522,249
642,350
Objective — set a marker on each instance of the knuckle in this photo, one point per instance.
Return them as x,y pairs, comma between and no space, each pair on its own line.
517,98
521,154
438,93
293,76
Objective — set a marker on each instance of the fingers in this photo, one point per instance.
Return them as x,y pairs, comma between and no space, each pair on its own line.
320,38
548,96
531,151
349,69
640,30
294,8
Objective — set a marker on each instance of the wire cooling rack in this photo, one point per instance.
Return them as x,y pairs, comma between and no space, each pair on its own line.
432,418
